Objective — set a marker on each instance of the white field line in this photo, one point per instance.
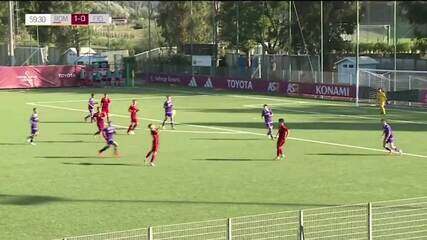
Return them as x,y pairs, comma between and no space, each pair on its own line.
177,131
335,114
368,105
115,99
243,132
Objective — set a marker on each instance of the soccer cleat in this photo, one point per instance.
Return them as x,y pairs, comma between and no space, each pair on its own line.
152,164
28,140
100,155
33,143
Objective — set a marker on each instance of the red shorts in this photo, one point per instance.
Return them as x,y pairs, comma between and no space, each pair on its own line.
106,111
134,120
100,127
155,148
280,143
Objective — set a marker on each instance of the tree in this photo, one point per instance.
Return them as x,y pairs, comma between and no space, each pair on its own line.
415,12
179,26
339,17
260,22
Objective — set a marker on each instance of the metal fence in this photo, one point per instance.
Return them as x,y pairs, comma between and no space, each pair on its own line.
404,219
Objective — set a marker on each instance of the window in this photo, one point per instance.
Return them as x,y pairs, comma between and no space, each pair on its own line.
351,66
344,66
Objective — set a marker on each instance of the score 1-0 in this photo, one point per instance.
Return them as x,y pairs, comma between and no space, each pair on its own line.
79,19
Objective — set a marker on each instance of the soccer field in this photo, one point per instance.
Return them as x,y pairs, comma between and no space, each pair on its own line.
217,163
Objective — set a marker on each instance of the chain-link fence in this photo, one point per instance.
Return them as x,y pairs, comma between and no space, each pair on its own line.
388,220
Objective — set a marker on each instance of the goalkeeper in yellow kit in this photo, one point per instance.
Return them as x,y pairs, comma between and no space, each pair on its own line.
382,100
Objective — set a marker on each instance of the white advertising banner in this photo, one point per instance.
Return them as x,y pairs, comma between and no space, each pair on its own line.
202,61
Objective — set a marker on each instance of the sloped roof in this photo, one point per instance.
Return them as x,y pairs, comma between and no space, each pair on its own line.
362,60
83,50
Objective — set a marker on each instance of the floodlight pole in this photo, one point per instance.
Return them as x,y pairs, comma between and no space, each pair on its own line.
321,42
395,42
357,52
11,35
290,39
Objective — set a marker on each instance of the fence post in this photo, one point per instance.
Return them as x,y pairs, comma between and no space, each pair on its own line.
369,221
410,86
229,234
150,233
301,225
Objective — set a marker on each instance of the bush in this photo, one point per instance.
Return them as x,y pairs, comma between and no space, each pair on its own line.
420,45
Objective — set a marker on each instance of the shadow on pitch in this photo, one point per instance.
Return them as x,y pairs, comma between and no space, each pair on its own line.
66,141
23,200
229,139
78,134
347,154
99,164
236,159
64,122
69,157
12,144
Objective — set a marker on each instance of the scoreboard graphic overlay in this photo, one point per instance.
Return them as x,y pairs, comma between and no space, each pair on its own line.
73,19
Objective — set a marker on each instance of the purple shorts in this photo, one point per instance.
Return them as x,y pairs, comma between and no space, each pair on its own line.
91,112
268,124
389,140
34,130
169,114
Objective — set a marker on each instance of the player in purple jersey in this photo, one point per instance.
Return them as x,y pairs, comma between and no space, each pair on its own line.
109,133
91,107
267,114
388,140
34,122
169,112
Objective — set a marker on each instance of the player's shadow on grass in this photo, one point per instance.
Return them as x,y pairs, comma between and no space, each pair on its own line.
78,134
12,144
24,200
236,159
347,154
64,122
229,139
99,164
66,141
71,157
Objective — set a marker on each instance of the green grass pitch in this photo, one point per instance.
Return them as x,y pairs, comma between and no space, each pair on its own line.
218,163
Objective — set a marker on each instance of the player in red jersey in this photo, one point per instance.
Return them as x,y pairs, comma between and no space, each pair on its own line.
99,116
105,106
155,145
281,136
133,109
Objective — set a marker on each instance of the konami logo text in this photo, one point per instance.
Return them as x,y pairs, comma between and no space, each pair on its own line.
240,84
333,90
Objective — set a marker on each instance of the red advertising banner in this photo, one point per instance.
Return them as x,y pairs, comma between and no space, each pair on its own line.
217,82
286,88
39,76
318,89
423,96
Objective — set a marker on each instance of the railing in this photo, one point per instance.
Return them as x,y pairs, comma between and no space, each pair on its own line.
388,220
